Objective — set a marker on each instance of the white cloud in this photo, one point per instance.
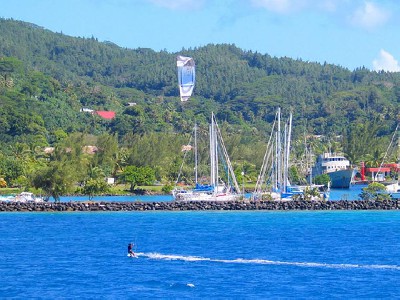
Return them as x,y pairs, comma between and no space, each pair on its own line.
386,62
179,4
369,16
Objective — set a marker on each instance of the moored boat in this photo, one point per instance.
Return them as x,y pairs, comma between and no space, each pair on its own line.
273,181
27,197
7,198
217,189
337,167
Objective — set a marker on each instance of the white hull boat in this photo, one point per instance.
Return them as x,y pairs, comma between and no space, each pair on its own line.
217,190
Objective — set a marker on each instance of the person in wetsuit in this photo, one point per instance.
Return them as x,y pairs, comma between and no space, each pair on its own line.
130,251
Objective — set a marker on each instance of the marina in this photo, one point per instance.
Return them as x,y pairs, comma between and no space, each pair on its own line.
264,179
335,194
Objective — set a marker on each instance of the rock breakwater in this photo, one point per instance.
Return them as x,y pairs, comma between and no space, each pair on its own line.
198,206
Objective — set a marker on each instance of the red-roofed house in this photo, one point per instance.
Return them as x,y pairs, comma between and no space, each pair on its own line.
106,114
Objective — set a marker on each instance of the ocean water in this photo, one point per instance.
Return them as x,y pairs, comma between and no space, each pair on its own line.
352,193
200,255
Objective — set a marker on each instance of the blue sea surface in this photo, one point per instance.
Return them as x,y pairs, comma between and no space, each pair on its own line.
200,255
352,193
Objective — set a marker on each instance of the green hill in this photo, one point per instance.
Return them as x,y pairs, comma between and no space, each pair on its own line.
242,86
47,77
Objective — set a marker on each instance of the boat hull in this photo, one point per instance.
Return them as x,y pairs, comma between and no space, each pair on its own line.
341,179
196,196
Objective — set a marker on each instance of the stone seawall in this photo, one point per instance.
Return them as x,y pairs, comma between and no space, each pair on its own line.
198,206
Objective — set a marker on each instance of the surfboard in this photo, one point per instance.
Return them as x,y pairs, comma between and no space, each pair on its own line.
132,255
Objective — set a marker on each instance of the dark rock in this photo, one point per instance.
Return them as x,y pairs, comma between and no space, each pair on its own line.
201,205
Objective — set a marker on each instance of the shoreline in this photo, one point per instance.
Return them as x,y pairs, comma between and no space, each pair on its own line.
198,206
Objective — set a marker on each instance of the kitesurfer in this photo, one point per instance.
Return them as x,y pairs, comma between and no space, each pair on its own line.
130,251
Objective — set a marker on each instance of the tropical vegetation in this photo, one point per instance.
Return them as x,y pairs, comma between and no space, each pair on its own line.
48,79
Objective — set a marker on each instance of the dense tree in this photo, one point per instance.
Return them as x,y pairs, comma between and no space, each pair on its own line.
322,179
137,176
54,180
95,187
374,191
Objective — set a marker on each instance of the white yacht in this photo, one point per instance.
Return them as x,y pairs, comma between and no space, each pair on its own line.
216,190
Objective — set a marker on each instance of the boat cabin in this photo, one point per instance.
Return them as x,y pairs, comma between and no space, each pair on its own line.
330,162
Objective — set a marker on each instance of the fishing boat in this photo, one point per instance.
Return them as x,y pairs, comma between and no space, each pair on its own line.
222,186
337,167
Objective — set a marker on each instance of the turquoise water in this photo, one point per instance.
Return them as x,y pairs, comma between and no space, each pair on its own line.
346,194
200,255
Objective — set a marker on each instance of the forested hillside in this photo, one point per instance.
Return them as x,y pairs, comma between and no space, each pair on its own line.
47,77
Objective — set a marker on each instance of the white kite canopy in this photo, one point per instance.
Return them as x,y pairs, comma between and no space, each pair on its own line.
186,76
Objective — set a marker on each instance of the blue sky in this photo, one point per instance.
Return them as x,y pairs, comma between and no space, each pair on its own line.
349,33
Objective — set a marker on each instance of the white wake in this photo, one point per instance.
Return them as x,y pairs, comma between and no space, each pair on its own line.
159,256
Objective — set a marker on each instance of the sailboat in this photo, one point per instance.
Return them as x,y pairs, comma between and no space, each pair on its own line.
217,189
312,191
273,182
393,188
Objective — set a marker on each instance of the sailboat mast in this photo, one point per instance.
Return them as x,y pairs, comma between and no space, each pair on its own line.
213,155
212,174
398,156
276,158
279,152
287,154
284,158
195,153
215,152
221,149
309,167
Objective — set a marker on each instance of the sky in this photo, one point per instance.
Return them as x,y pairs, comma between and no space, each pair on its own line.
348,33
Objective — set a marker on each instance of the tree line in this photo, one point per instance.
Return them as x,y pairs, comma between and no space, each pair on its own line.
47,77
